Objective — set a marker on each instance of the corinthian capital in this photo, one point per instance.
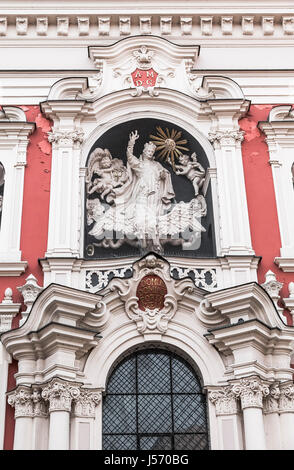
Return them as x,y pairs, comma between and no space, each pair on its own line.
251,392
224,400
271,403
21,400
226,137
286,403
60,394
85,404
66,138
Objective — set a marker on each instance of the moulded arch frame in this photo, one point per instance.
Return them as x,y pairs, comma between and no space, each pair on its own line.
124,339
115,112
186,343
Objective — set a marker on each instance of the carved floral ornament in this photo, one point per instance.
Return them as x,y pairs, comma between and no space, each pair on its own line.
57,395
253,392
151,296
65,137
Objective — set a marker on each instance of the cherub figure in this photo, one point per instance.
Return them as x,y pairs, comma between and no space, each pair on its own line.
110,173
191,169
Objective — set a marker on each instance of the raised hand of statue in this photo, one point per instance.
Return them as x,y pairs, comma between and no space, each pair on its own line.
133,137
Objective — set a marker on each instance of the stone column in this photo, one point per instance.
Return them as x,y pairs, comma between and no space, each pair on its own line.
84,410
286,409
60,395
21,400
40,421
64,200
272,418
251,392
227,411
234,220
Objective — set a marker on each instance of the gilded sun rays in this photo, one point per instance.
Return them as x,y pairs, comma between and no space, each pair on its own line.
169,144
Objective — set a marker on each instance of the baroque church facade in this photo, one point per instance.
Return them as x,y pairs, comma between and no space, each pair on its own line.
146,225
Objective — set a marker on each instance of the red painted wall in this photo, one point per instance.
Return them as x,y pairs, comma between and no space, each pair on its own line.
34,229
260,197
263,216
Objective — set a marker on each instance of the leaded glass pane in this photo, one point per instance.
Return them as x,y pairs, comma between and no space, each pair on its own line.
191,442
184,380
154,412
153,373
156,443
120,414
189,413
123,379
154,402
120,442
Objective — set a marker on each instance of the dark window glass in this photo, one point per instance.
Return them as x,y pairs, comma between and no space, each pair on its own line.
154,401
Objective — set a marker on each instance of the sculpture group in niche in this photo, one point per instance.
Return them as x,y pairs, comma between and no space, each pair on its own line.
134,204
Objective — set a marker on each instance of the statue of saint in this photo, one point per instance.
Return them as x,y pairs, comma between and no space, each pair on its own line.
138,208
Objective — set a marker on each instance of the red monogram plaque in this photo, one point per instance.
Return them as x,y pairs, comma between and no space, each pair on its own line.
144,78
151,292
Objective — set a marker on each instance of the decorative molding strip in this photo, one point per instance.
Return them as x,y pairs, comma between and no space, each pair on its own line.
205,278
35,27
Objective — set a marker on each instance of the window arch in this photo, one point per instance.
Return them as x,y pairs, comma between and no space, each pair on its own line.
2,179
154,401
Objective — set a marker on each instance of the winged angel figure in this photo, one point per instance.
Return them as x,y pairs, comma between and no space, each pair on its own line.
136,203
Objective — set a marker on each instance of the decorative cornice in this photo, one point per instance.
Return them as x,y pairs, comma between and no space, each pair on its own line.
212,24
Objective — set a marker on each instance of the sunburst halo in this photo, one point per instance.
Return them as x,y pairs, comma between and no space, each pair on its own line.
168,144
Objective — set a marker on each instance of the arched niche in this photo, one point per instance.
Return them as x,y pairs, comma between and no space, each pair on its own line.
115,140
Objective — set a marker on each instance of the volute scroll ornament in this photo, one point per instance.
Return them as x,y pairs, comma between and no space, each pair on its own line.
60,395
151,296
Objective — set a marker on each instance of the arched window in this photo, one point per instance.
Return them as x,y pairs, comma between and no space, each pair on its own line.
154,401
2,175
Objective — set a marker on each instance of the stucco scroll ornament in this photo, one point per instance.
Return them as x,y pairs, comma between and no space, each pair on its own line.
147,72
66,137
231,137
208,314
40,406
98,317
151,319
251,392
141,197
94,87
199,91
85,404
224,400
60,395
21,400
272,400
286,402
151,296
